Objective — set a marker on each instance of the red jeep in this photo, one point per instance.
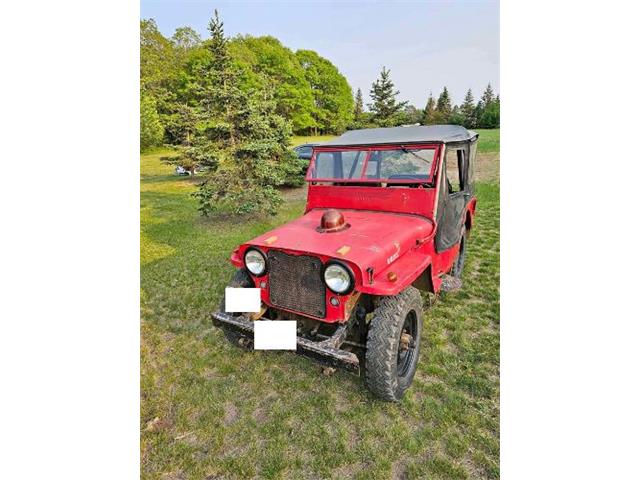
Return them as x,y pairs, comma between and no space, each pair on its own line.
388,214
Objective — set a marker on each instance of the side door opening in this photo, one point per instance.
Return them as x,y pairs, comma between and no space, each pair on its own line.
454,194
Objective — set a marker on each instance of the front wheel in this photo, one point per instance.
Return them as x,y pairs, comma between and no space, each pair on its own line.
241,279
393,344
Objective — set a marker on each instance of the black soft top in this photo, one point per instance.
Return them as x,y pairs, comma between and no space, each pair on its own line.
402,135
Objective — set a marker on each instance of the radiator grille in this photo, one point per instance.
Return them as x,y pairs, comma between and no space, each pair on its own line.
295,283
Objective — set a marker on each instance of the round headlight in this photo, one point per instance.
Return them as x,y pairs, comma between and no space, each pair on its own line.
337,278
255,262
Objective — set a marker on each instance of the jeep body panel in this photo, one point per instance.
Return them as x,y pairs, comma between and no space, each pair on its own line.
393,239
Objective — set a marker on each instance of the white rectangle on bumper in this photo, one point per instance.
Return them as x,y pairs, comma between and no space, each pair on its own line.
274,335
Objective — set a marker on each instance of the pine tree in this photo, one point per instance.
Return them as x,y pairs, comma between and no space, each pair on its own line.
385,107
456,117
443,106
241,141
428,117
358,108
468,110
488,110
487,97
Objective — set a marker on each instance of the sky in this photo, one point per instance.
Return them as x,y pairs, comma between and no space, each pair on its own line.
426,44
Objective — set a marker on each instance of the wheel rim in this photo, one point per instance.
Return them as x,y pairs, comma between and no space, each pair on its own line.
407,344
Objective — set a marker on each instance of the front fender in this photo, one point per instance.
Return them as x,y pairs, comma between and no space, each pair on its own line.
406,269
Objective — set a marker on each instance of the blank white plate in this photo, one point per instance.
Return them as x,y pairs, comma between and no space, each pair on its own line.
241,300
274,335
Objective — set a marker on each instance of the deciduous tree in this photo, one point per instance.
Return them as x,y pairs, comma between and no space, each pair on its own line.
158,65
265,63
151,130
186,38
333,103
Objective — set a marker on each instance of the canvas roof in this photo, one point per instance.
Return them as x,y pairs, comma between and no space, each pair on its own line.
403,135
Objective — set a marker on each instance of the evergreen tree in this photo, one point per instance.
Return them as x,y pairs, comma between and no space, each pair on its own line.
488,110
487,97
358,108
385,107
240,139
182,125
468,110
443,106
428,117
456,117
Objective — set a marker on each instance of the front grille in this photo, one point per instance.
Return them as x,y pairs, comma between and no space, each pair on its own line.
295,283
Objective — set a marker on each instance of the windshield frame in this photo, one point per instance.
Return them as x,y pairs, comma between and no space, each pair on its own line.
371,148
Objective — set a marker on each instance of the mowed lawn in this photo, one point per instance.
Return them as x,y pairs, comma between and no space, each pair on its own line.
211,410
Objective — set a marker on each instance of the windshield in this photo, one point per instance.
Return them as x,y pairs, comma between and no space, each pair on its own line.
374,165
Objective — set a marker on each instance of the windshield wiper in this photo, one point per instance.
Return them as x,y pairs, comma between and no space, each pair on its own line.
406,150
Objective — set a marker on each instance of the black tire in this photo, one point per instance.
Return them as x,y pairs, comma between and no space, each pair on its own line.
241,279
389,370
458,265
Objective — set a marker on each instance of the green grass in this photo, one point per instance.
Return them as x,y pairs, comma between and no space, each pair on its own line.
489,140
226,413
300,139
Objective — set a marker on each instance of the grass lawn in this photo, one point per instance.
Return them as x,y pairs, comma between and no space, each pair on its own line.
210,410
489,140
299,140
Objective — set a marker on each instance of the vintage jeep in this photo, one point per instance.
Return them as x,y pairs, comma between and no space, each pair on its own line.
388,214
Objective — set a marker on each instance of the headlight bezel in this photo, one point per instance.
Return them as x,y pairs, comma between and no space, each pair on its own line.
347,269
264,259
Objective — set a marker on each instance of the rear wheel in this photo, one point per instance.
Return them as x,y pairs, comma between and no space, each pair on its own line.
241,279
393,344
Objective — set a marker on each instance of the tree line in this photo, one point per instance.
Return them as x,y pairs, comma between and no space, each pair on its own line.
308,90
386,111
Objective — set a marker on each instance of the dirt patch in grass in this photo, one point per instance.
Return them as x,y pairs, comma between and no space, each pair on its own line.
488,167
230,413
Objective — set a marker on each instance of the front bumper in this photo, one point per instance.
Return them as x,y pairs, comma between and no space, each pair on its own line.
327,351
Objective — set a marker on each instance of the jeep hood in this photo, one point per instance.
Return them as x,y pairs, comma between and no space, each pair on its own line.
372,239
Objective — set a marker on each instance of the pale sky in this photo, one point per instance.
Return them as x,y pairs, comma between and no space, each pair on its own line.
425,44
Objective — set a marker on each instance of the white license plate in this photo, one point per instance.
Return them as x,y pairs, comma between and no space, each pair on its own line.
274,335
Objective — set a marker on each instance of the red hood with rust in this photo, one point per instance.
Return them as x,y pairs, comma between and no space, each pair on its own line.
373,239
